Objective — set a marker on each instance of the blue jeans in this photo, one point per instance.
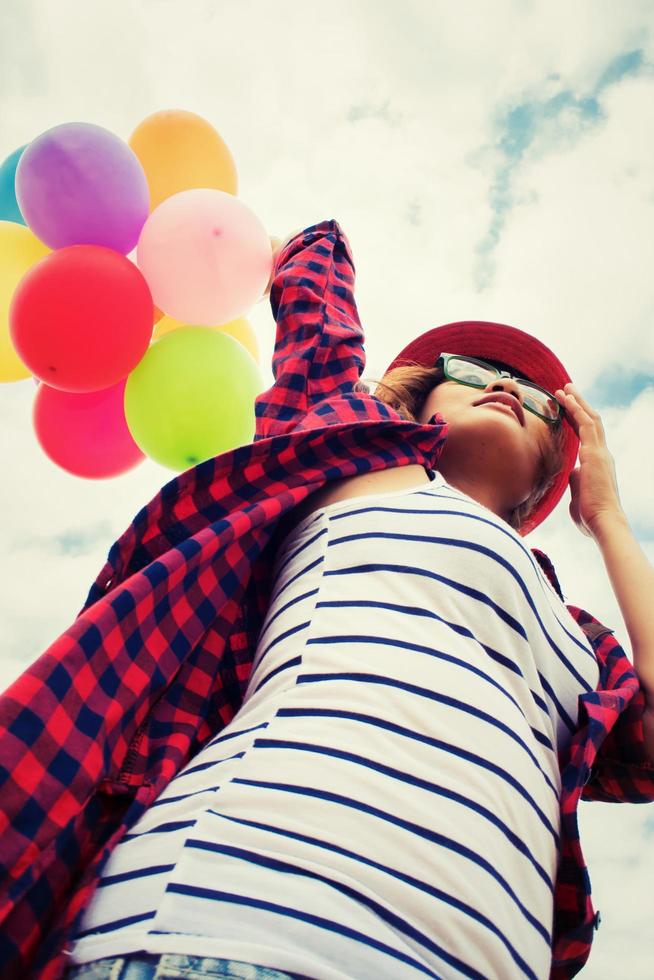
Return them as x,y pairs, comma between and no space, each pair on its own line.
172,966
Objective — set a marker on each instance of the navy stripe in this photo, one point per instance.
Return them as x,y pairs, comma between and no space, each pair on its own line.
499,658
543,739
563,714
414,828
163,828
436,743
293,662
289,558
315,920
489,553
187,796
421,692
397,923
275,596
150,872
283,609
510,534
432,652
437,893
457,586
284,636
117,924
415,611
436,788
225,736
206,765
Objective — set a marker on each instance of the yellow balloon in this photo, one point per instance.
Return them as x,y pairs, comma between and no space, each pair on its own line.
179,151
164,325
240,329
20,249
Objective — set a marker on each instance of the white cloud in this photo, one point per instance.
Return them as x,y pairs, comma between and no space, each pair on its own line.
573,262
617,843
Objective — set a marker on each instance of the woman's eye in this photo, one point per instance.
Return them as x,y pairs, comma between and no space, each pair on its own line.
538,404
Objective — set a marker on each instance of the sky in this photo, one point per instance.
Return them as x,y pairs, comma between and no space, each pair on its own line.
486,161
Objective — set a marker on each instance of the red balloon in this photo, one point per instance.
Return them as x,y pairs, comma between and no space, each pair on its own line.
85,434
81,318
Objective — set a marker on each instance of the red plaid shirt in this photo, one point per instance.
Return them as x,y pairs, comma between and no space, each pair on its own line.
158,660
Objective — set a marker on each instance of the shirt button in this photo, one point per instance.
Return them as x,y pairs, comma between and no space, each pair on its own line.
596,920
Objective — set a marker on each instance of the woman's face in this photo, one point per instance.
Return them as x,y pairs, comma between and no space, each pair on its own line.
491,453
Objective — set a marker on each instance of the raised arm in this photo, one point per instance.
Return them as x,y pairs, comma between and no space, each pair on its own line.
596,510
319,339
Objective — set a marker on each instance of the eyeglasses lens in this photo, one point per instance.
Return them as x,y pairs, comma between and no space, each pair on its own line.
479,376
540,401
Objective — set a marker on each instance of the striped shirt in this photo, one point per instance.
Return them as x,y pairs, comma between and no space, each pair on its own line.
386,801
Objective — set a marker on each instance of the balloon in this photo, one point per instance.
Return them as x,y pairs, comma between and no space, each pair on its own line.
166,325
9,210
19,251
239,329
179,151
85,434
79,184
81,319
192,397
157,313
206,257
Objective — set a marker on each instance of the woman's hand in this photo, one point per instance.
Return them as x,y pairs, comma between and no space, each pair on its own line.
277,245
593,484
596,510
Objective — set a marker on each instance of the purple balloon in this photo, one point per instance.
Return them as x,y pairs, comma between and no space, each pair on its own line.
79,184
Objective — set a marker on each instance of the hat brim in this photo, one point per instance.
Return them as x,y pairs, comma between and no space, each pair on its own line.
528,356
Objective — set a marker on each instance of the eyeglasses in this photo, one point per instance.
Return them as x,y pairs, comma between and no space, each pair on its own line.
479,374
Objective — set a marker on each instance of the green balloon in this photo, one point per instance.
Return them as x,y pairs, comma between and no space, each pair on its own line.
191,397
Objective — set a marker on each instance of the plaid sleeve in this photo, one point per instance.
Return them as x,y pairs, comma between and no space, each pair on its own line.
319,339
622,771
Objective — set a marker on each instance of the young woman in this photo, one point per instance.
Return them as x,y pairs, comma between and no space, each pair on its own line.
394,792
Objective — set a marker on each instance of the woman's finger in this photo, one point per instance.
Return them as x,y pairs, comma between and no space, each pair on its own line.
585,421
572,389
572,408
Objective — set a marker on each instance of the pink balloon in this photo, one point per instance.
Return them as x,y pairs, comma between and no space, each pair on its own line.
205,256
85,434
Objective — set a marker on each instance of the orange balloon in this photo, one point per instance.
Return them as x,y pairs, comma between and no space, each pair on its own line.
240,329
157,315
179,151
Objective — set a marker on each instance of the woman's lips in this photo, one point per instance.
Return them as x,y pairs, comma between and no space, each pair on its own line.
509,401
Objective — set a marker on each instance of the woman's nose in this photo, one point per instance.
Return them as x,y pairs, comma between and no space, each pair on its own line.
510,385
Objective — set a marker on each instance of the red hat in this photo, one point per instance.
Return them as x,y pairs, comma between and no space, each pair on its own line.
527,356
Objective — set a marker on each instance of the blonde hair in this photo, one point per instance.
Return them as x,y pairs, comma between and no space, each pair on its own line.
406,389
